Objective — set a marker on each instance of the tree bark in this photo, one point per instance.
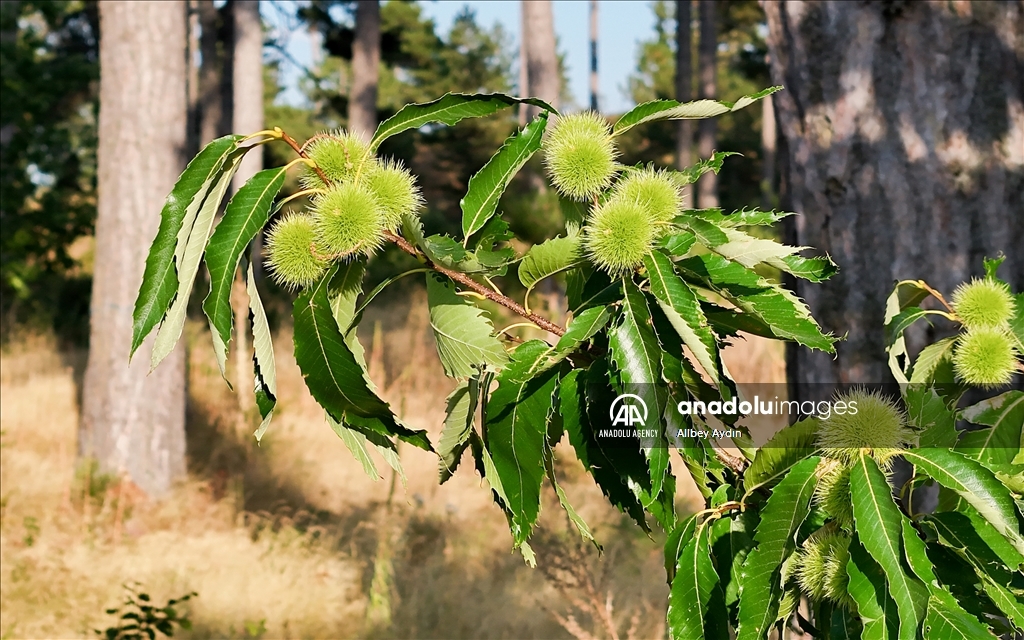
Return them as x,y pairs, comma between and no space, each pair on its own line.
684,87
903,150
247,92
214,74
134,423
707,186
362,105
769,147
542,77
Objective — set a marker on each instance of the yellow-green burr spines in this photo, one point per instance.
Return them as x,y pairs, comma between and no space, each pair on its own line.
821,566
985,357
338,154
580,155
653,190
290,259
395,191
619,235
348,221
872,424
983,303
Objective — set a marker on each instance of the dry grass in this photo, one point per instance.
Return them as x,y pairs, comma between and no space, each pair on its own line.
292,539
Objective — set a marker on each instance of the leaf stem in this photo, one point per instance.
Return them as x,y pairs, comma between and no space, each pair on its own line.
469,283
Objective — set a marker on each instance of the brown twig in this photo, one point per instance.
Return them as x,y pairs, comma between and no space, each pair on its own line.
461,278
470,283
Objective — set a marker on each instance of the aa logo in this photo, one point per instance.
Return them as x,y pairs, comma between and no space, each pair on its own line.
628,410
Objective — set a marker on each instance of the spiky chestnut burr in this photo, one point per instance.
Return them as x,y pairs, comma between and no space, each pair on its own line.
878,428
290,259
985,357
580,155
348,221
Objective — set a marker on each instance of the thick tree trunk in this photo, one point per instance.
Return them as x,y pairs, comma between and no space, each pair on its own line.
362,105
247,91
707,186
134,423
904,151
684,86
542,77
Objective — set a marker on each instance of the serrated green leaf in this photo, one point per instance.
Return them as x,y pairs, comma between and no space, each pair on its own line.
927,412
692,589
786,448
334,378
928,361
159,281
677,538
786,315
875,608
489,183
690,175
343,290
978,541
751,251
677,244
1002,442
464,337
460,411
264,366
680,305
741,218
448,109
247,212
878,523
673,110
708,234
356,443
975,484
781,517
585,393
192,239
814,269
637,358
947,621
516,425
906,294
548,258
921,565
570,512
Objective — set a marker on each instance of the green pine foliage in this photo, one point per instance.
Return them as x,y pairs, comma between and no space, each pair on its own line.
656,292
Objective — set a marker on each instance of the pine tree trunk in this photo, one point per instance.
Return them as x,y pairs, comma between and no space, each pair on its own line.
214,105
684,87
707,186
134,423
903,149
362,105
543,79
247,89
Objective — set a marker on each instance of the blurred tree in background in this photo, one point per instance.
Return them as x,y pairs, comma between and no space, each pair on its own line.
742,69
48,111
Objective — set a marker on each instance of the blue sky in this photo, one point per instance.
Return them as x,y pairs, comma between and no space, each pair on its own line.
622,24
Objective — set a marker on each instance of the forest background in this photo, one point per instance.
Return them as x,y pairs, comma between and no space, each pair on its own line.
400,557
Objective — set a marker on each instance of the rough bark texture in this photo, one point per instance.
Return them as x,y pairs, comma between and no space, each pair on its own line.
362,106
134,423
247,91
684,86
542,77
904,151
707,186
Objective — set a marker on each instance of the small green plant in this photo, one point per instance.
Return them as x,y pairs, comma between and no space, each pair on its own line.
138,619
655,292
